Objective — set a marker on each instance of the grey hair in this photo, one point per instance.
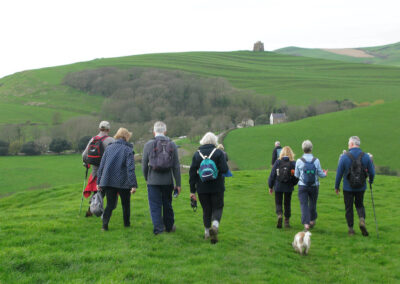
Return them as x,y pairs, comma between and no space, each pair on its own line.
355,140
307,146
277,143
160,127
209,138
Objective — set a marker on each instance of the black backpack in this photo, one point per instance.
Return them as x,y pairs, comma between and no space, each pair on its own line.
357,172
96,150
161,157
284,171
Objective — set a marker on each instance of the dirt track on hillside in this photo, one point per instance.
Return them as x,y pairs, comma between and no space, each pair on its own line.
349,52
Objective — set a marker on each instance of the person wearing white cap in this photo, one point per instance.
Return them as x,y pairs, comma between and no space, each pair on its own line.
105,140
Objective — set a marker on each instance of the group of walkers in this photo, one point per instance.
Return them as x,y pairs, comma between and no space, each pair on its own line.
113,174
354,168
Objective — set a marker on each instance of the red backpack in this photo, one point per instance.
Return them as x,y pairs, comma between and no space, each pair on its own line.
96,150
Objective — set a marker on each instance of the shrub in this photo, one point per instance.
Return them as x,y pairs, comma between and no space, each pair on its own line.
15,147
59,145
30,148
4,148
82,143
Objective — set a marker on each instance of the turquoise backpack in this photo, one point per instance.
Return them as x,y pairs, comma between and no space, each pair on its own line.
208,170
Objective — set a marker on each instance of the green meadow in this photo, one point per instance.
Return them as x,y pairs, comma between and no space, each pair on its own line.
43,240
251,148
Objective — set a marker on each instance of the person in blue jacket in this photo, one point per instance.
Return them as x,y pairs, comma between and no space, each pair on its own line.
282,181
354,195
308,193
116,175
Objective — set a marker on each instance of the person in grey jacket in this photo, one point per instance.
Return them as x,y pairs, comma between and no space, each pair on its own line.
104,128
160,183
116,175
308,194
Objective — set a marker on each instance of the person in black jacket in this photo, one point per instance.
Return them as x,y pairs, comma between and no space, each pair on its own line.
276,152
211,193
282,181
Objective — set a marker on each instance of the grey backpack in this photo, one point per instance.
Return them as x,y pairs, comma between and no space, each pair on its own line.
161,157
96,204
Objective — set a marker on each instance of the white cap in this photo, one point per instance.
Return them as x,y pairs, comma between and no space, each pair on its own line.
104,125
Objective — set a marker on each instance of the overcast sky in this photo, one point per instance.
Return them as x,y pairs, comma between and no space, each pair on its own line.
35,34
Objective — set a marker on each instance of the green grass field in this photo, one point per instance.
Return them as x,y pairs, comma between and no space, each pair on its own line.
251,148
43,240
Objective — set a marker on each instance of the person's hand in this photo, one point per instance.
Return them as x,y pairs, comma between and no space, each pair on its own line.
271,190
133,190
337,191
179,189
98,187
193,196
325,172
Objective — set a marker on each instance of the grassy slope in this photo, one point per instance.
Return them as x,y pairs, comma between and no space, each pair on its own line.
298,80
42,240
384,55
251,148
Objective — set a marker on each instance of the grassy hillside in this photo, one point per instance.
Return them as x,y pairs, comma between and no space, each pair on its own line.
384,55
43,240
251,148
297,80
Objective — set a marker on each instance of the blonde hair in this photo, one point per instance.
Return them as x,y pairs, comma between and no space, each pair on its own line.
287,152
123,133
221,147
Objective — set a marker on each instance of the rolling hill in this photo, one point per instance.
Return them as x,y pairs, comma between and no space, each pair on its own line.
34,96
251,148
383,55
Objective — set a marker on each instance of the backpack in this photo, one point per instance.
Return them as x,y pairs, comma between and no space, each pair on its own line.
96,204
162,156
208,170
309,172
96,150
284,171
357,172
278,152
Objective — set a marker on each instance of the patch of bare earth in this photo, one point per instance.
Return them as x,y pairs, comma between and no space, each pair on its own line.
353,52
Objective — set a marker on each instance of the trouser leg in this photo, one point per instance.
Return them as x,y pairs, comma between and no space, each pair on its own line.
287,204
155,204
359,202
313,197
278,202
168,212
205,201
111,194
217,204
348,197
125,195
305,211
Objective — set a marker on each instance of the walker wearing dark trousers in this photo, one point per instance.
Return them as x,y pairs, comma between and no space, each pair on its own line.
351,194
211,193
116,175
283,186
160,183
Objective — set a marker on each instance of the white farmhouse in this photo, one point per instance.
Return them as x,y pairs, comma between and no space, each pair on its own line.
276,118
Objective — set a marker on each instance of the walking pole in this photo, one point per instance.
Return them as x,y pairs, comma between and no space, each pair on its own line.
84,185
373,207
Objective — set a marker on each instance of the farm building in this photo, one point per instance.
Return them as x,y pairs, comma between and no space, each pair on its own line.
276,118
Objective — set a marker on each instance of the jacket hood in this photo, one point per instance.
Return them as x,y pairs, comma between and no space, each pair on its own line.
123,142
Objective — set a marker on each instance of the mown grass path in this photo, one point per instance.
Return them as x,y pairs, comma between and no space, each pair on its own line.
43,240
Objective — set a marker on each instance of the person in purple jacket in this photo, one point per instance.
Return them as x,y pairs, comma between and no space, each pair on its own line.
354,194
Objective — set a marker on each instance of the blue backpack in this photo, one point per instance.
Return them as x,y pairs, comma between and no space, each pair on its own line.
208,170
309,172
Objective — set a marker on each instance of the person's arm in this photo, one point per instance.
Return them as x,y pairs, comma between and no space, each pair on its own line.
145,160
130,166
101,167
371,170
85,152
222,165
339,173
176,169
274,157
272,176
297,169
294,179
193,176
321,173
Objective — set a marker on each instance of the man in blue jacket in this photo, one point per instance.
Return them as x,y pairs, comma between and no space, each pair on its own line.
354,194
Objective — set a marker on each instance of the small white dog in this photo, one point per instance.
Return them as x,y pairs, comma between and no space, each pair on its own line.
302,242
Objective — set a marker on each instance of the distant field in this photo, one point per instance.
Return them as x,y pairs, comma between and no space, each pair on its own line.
297,80
43,240
251,148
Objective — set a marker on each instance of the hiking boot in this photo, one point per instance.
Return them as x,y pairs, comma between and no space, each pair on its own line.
172,230
351,231
286,224
214,234
363,228
312,224
88,213
279,224
104,227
